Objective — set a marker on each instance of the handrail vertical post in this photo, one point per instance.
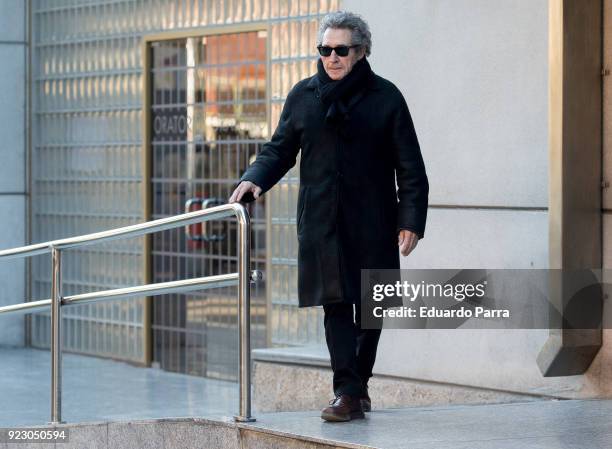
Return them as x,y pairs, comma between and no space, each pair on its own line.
56,338
244,318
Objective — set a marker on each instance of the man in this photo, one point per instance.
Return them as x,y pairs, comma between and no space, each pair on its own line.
356,135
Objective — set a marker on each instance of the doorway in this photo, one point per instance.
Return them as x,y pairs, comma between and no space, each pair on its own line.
207,121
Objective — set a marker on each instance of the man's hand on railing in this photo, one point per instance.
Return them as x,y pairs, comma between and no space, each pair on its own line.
246,191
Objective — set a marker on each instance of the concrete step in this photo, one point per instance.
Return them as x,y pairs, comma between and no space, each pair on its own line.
571,424
182,433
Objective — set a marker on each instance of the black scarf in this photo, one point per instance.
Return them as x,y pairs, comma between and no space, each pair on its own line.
339,96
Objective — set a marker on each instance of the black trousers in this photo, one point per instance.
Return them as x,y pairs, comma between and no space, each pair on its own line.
352,350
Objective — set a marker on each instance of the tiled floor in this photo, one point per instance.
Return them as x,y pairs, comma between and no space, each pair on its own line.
98,389
575,424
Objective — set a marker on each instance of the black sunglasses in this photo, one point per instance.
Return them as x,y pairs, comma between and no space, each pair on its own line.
341,50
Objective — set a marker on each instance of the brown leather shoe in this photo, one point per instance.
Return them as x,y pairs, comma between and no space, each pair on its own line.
343,408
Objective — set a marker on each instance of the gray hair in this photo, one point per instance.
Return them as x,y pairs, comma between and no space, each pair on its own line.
360,31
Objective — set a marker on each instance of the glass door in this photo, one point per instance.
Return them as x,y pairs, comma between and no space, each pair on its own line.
208,116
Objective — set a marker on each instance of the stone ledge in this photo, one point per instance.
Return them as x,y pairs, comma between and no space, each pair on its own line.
310,355
294,386
184,433
529,425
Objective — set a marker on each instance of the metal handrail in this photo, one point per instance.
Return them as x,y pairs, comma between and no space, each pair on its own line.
242,278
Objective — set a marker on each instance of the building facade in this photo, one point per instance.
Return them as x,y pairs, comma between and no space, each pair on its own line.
128,109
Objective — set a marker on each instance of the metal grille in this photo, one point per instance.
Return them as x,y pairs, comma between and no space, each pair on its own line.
87,161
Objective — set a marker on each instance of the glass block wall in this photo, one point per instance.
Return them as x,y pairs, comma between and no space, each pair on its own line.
87,92
86,165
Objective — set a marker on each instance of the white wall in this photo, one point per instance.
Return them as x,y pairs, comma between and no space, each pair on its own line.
475,76
13,189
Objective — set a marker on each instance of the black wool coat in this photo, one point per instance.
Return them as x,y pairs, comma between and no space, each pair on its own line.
348,213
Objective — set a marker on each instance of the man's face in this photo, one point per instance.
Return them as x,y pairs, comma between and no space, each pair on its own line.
337,67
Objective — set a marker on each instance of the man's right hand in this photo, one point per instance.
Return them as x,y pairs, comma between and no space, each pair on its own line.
243,188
